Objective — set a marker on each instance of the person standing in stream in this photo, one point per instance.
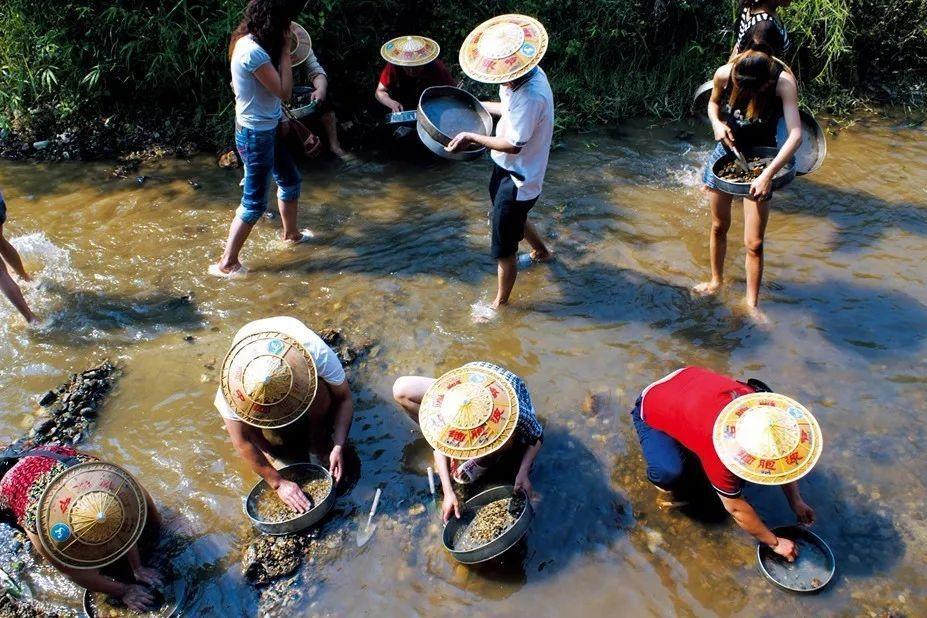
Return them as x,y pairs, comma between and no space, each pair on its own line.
262,79
507,50
11,260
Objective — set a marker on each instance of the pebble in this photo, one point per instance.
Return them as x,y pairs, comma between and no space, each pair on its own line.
42,145
48,399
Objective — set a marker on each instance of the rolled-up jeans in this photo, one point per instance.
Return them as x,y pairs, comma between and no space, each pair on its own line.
262,156
665,457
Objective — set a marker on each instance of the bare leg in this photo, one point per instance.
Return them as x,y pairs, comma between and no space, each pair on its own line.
717,242
508,272
238,234
12,292
539,251
408,391
288,215
11,256
330,125
756,216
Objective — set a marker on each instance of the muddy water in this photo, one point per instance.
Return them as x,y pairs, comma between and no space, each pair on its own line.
401,256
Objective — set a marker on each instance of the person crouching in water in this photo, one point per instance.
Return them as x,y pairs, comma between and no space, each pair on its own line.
82,515
737,432
412,65
284,395
477,417
262,79
520,147
749,97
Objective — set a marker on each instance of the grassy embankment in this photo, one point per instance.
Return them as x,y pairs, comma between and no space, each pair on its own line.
117,73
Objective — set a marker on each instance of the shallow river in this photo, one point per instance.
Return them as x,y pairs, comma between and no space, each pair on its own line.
400,257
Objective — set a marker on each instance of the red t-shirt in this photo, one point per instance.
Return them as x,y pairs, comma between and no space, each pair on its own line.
685,405
407,89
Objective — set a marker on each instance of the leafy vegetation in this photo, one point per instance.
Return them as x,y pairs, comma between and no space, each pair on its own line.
74,64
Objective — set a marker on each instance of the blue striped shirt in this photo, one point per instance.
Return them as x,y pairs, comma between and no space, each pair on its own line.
529,429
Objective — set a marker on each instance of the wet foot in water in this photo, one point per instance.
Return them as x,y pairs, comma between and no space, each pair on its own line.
232,272
303,237
709,288
754,314
483,313
542,256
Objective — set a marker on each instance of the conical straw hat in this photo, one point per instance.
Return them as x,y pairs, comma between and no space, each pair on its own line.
410,51
503,49
269,379
300,44
469,412
767,438
90,515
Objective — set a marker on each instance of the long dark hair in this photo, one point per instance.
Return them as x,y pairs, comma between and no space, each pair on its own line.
267,21
753,82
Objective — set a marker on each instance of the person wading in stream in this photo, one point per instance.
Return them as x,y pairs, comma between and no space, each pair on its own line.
478,417
737,432
11,260
758,23
81,518
749,97
506,50
262,79
284,395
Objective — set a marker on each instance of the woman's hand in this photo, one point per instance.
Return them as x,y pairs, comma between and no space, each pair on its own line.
761,187
460,142
523,483
148,576
293,496
137,598
393,106
804,512
786,549
723,133
336,462
318,95
450,506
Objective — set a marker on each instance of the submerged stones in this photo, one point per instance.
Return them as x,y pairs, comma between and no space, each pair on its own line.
268,558
347,353
71,408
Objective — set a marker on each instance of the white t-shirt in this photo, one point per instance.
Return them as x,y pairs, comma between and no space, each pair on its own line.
326,361
256,107
527,121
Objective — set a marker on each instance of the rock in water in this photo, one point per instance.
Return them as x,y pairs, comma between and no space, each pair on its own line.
48,399
270,557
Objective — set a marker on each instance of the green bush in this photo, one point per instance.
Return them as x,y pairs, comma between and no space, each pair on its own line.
70,63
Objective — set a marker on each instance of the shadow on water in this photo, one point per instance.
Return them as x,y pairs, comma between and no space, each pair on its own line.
577,514
610,294
866,320
83,313
861,219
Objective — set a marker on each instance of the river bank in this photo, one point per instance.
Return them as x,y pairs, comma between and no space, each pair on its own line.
401,259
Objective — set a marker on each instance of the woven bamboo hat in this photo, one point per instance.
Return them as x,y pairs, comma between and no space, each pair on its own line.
469,412
410,51
300,44
767,439
269,379
90,515
503,49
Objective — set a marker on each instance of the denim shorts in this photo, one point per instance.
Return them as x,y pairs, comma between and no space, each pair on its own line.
262,156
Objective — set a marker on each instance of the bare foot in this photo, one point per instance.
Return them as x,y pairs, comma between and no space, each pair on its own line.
709,288
24,277
303,236
542,256
758,317
481,313
227,272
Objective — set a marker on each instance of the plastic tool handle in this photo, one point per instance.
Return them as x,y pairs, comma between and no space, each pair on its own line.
431,480
373,509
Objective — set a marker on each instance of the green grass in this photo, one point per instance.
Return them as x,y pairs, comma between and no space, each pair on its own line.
67,63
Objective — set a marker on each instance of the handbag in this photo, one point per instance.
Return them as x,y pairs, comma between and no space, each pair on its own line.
297,137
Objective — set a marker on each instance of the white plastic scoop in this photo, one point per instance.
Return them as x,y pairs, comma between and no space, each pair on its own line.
364,534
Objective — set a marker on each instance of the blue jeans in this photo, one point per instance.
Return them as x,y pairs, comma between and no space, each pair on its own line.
665,457
263,156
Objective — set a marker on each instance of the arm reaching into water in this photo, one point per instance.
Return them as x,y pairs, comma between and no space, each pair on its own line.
344,414
450,505
136,597
803,512
522,480
748,519
250,445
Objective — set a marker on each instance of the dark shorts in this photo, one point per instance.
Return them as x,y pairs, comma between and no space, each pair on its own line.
508,214
2,210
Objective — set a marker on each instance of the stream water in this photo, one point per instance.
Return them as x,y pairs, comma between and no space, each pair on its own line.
400,257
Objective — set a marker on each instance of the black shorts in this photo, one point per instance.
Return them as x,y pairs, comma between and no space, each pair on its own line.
508,214
2,210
